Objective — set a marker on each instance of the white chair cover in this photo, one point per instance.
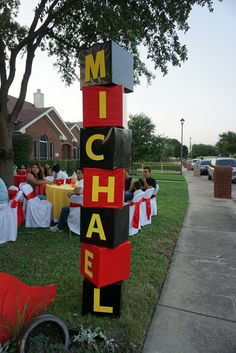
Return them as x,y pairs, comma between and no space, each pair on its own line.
73,220
145,208
38,212
50,178
134,214
154,201
8,220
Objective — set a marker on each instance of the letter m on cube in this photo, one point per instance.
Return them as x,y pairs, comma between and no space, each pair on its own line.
106,64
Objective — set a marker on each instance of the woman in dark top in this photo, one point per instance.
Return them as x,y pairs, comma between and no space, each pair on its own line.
129,187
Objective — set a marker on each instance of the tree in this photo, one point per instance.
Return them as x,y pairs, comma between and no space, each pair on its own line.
226,144
142,136
64,27
203,150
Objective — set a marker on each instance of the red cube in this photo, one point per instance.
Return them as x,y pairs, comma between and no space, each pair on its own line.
103,266
104,106
104,187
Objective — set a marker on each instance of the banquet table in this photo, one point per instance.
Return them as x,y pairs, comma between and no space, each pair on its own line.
57,195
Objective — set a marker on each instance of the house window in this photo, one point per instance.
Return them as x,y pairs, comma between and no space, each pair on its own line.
43,147
74,151
51,150
35,148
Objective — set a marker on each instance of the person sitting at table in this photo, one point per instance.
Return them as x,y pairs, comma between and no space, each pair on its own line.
3,192
66,209
36,179
146,180
45,169
58,173
49,175
137,188
129,186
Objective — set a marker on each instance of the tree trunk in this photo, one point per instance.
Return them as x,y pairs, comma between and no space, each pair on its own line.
6,151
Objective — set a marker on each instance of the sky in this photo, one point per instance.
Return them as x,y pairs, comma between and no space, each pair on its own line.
202,91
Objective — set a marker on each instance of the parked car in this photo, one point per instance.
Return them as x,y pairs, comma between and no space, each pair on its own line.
222,161
204,166
194,161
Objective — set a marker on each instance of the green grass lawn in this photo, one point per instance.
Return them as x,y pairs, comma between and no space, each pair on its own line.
41,257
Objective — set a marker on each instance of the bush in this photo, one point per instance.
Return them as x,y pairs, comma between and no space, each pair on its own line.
22,147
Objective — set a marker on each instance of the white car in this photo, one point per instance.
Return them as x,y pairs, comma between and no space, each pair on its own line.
222,161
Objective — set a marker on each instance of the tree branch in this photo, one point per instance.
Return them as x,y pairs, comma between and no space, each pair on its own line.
29,39
61,40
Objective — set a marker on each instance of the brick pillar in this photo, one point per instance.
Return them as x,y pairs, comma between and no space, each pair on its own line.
223,181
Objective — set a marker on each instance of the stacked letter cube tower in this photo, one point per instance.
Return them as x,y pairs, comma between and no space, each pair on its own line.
106,74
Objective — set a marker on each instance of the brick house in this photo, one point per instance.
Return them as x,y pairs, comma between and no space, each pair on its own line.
53,138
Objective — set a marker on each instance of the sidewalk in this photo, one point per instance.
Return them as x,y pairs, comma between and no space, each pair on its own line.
196,312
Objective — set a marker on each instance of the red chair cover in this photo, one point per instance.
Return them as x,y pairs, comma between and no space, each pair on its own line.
20,214
12,193
148,207
39,189
20,302
136,216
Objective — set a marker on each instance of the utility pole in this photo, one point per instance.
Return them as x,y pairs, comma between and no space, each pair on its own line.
181,150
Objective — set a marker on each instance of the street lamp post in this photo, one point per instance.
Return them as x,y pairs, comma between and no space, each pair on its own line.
181,149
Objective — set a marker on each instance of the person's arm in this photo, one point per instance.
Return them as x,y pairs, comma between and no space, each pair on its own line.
131,187
32,180
77,191
145,184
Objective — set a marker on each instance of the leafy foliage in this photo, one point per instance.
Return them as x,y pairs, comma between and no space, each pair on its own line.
142,136
22,146
64,27
203,150
226,145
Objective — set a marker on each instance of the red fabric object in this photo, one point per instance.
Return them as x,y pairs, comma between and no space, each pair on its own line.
68,180
19,179
20,214
39,189
20,302
136,216
104,187
103,266
59,182
74,204
30,196
103,106
12,193
13,203
21,172
148,207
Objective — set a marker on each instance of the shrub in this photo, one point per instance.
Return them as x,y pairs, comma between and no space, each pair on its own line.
22,147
